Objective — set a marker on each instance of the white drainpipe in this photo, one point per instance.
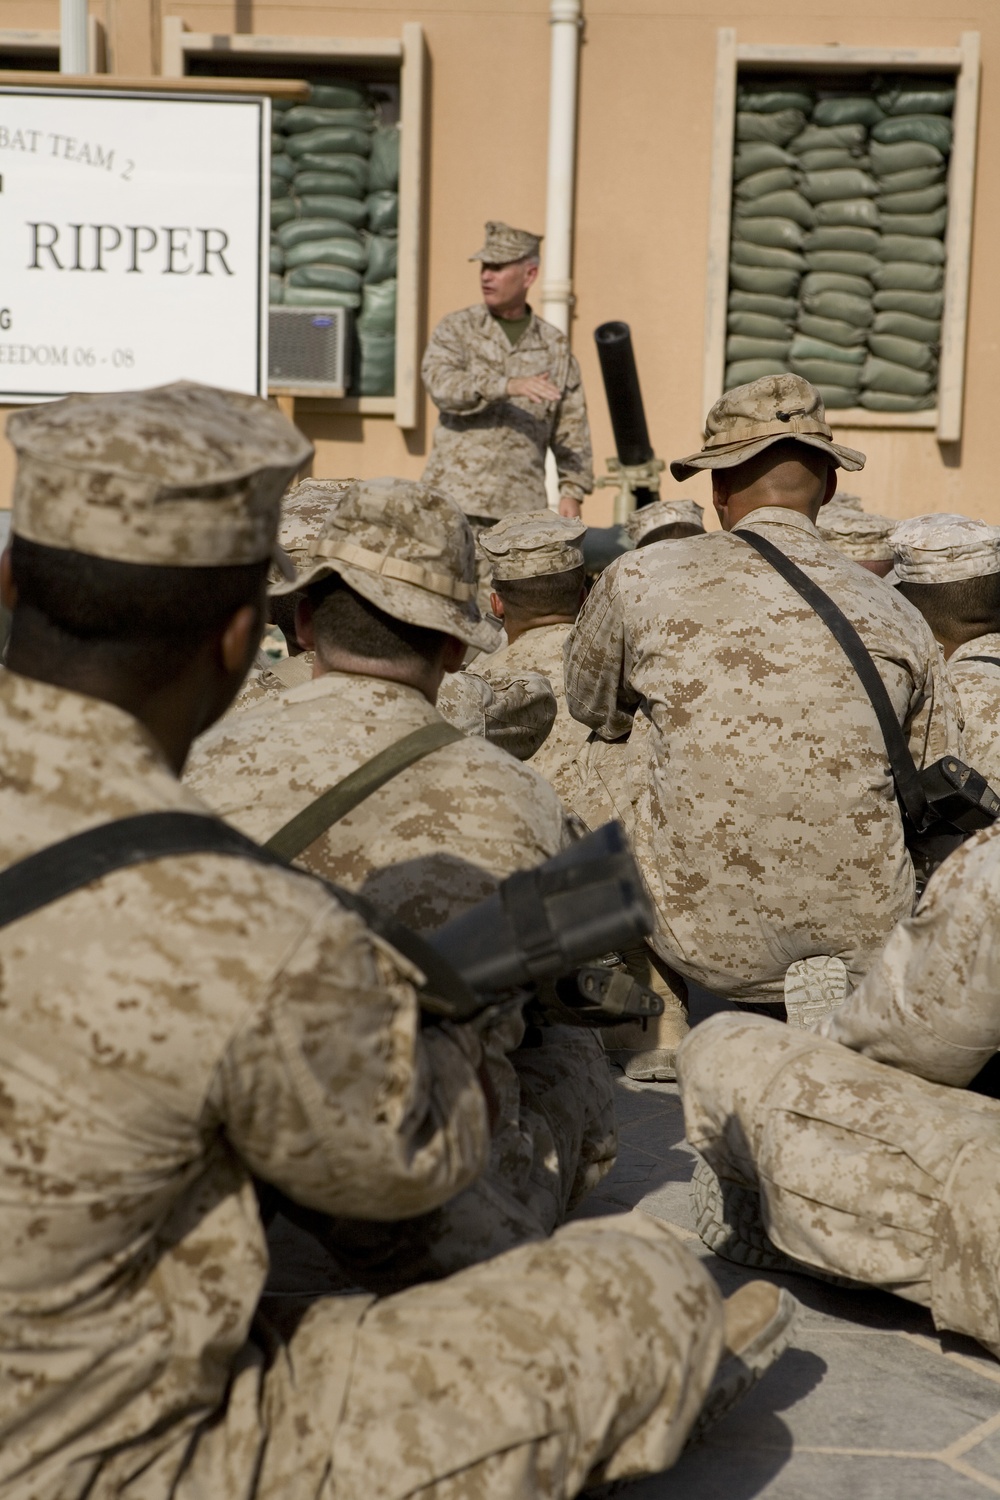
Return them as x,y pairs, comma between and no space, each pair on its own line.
565,19
73,37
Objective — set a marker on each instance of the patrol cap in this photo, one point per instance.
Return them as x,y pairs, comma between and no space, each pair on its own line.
407,549
856,533
182,475
304,511
750,418
944,549
504,244
664,513
532,544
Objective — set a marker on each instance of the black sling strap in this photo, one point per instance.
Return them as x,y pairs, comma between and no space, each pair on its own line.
906,776
994,659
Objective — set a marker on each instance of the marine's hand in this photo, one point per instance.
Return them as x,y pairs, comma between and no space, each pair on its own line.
534,387
570,506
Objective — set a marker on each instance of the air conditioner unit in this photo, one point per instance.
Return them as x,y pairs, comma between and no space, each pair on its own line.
309,350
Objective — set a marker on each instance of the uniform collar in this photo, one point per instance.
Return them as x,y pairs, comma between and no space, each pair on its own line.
778,515
489,325
983,645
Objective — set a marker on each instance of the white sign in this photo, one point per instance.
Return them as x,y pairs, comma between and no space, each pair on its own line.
133,241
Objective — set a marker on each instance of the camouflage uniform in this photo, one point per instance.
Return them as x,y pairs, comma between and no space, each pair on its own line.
176,1026
514,712
977,684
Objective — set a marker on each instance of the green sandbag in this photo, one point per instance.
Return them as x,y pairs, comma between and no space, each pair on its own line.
747,370
915,356
759,326
830,159
859,213
786,205
332,278
842,237
910,182
821,187
383,212
275,289
329,140
276,257
931,129
756,279
782,234
904,156
277,144
927,252
309,117
318,296
742,253
772,181
378,309
904,326
329,252
835,281
342,163
279,189
282,209
804,347
908,276
341,95
922,226
333,184
848,262
383,251
917,96
884,375
301,230
889,401
825,137
827,372
767,306
738,347
778,128
915,203
769,101
831,331
840,307
377,363
346,210
918,304
282,166
847,109
835,397
384,175
759,156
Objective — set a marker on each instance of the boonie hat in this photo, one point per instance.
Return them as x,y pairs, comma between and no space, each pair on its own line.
664,513
944,549
407,549
750,418
182,475
855,533
532,544
504,244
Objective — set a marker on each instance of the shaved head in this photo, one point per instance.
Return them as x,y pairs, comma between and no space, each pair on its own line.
790,474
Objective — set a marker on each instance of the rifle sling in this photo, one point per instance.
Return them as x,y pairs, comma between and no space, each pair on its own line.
904,771
332,805
994,659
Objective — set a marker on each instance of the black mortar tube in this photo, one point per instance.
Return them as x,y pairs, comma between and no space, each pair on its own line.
621,386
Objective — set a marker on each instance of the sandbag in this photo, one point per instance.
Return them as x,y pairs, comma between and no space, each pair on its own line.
918,304
378,308
384,174
831,331
346,210
905,326
318,296
927,252
787,205
908,352
747,370
824,137
758,279
759,156
277,144
778,128
330,139
804,347
924,202
343,163
842,237
767,306
376,363
763,100
840,306
783,234
282,166
328,252
301,230
918,96
331,184
847,109
333,278
908,276
889,401
383,252
743,253
830,158
282,209
861,213
931,129
774,180
279,188
276,259
310,117
910,182
835,281
275,289
827,372
759,326
835,397
884,375
821,187
847,262
339,95
903,156
739,347
923,226
383,212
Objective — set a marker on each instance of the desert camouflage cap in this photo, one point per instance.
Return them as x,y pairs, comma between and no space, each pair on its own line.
304,512
664,513
183,475
855,533
944,549
531,544
750,418
504,244
406,548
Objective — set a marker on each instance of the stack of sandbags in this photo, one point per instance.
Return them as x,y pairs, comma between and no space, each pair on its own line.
376,327
282,203
909,156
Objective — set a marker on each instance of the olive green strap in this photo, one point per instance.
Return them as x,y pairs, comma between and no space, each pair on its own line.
330,806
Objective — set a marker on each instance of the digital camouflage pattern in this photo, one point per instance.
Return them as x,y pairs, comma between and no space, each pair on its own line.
489,448
944,549
766,824
977,684
503,244
269,676
857,534
516,713
664,513
532,544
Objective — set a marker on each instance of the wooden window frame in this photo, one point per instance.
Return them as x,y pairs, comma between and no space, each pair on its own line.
25,39
409,50
732,57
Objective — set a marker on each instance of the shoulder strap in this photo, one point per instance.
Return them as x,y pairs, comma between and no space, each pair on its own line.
332,805
994,659
905,773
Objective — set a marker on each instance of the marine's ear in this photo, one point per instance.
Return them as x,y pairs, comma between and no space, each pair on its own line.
304,628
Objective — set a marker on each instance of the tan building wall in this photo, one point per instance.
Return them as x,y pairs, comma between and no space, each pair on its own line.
646,99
